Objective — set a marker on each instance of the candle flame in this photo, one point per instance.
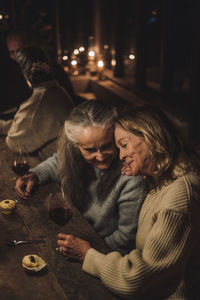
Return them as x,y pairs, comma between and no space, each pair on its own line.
91,53
100,63
74,62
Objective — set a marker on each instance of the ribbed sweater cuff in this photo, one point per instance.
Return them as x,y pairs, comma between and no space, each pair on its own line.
41,173
92,262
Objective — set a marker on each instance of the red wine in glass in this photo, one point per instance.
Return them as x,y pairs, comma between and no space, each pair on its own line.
59,211
19,161
60,215
20,168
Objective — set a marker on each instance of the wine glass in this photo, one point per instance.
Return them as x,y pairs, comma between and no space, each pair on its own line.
59,211
20,162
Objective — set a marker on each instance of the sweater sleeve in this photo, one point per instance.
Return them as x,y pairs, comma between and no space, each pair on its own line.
38,123
129,203
154,272
21,133
5,126
47,170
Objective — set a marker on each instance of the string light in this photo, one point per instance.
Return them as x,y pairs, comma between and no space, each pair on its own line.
76,51
65,57
132,56
74,62
81,49
91,54
100,64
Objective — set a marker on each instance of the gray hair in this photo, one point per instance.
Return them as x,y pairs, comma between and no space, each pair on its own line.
74,172
89,114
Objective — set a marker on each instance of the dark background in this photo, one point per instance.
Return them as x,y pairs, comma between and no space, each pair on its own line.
162,34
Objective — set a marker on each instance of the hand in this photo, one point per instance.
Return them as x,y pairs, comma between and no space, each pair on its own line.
126,170
72,246
25,184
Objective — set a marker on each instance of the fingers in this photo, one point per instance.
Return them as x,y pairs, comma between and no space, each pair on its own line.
126,171
72,246
66,245
19,188
63,236
64,239
69,255
30,185
25,184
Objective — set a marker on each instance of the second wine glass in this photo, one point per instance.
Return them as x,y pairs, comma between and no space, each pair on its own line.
59,212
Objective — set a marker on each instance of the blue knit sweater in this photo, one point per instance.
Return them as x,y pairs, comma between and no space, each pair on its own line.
115,219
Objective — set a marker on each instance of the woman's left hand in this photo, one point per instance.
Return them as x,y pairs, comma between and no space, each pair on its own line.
72,246
126,170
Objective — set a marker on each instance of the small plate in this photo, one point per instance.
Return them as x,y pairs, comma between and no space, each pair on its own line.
42,264
7,206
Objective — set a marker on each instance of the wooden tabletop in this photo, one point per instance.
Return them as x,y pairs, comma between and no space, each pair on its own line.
62,278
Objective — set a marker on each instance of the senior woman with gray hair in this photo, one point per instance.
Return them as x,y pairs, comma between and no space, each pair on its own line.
88,167
166,261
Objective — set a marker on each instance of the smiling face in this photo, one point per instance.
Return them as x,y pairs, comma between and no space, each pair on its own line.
134,151
97,146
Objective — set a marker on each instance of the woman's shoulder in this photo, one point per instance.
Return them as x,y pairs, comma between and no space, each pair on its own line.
44,89
132,182
178,194
52,90
189,180
132,179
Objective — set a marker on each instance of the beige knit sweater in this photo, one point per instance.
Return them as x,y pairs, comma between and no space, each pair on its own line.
166,262
38,122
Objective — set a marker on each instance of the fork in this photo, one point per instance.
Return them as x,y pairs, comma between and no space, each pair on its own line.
15,242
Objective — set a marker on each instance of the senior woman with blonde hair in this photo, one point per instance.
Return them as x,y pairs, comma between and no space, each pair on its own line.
166,261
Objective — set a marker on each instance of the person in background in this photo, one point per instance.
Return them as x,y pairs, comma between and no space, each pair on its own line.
88,167
18,39
14,88
38,121
166,261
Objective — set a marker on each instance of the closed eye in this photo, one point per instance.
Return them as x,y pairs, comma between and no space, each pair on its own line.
103,148
123,145
107,146
90,149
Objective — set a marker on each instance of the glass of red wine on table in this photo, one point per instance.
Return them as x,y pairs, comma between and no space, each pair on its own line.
20,162
59,211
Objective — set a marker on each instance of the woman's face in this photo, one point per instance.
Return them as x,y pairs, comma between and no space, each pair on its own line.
97,146
133,151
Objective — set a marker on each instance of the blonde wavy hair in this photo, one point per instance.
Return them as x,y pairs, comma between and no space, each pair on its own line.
168,149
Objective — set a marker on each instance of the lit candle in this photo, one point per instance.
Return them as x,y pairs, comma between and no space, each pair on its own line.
91,55
76,51
81,49
100,66
74,65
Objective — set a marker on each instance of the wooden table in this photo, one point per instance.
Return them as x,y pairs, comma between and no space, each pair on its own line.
62,278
